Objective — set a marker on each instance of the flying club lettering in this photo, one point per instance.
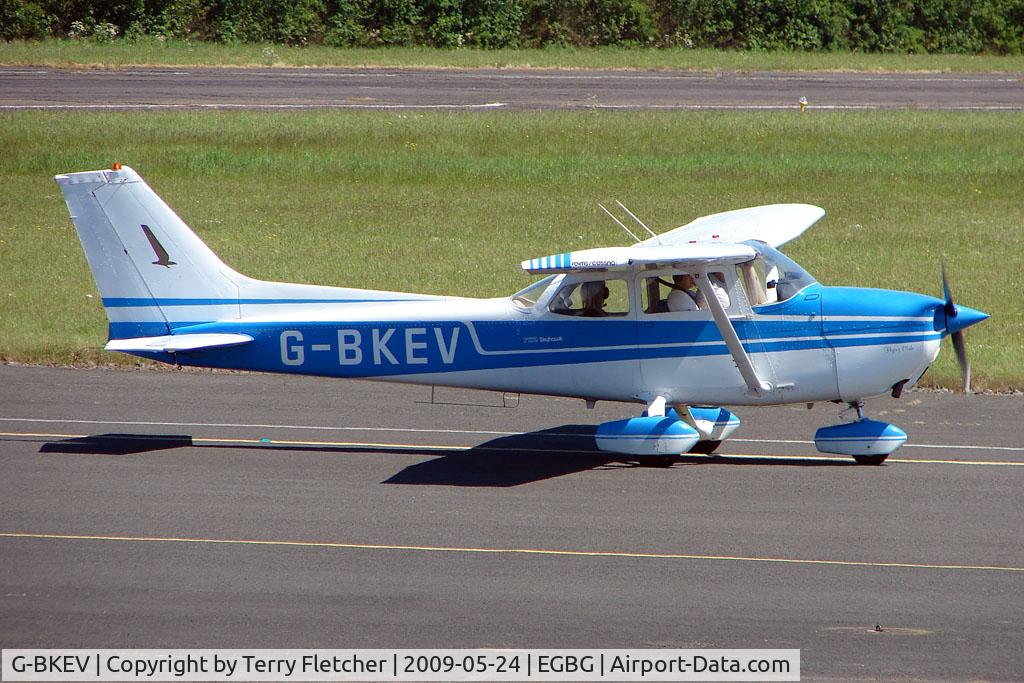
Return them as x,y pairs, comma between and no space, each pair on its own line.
387,346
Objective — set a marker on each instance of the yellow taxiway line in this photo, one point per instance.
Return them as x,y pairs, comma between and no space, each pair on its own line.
508,551
449,448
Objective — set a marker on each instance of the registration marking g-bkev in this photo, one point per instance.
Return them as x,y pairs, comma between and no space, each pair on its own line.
507,551
721,457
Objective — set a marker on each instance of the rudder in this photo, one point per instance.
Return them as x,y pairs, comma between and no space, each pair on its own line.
153,273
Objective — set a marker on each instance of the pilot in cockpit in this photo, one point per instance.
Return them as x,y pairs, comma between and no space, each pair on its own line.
594,294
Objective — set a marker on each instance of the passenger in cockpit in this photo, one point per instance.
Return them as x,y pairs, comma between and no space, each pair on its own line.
684,295
717,281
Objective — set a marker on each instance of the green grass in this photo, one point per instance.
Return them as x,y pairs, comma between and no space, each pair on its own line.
150,51
451,203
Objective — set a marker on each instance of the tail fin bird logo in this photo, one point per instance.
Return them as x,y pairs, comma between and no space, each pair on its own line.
162,258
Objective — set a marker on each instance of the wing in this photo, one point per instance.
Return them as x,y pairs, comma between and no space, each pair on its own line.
775,224
692,256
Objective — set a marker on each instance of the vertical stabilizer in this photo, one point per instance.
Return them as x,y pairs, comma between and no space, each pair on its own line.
152,271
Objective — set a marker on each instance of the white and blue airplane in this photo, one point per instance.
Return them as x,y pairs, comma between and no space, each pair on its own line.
706,315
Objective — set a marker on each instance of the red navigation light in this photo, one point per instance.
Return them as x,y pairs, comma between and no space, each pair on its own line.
117,165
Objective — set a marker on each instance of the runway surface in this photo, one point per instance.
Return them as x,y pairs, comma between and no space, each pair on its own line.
487,89
185,509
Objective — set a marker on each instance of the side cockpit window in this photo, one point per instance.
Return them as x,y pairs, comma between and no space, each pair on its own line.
592,299
756,283
772,276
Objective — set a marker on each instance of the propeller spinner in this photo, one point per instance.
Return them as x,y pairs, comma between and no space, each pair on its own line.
959,318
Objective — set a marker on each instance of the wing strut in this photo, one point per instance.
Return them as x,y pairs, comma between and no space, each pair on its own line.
755,387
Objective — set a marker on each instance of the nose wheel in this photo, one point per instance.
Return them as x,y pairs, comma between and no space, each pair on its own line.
705,447
661,461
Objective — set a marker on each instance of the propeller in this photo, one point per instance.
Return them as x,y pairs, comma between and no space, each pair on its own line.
957,320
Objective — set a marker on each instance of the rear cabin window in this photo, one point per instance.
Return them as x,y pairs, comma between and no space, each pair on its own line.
592,299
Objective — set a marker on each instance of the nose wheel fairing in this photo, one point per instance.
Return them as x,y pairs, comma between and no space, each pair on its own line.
865,438
868,441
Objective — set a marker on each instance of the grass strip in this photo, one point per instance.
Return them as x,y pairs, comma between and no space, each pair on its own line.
152,51
452,202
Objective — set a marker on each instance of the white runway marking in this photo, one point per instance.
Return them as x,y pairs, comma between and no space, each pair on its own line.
444,448
414,430
909,445
258,426
773,107
880,78
729,75
553,74
329,105
499,105
477,73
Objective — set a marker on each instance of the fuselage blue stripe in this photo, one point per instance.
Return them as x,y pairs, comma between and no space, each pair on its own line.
424,347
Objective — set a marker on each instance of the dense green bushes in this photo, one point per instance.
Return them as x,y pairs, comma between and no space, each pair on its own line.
964,26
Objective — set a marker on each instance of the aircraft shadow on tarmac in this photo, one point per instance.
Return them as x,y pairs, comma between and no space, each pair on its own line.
505,461
515,460
534,456
116,444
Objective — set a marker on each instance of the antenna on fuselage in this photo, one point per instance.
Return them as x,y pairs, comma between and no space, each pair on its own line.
621,224
631,215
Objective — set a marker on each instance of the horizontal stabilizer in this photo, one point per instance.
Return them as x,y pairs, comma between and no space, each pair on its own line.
174,343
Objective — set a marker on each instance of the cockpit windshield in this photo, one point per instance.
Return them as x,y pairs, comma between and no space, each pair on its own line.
528,297
783,277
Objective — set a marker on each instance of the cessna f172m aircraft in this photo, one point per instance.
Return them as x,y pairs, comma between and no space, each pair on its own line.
706,315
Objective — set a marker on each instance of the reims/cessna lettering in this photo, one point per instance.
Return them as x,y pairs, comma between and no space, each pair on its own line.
705,315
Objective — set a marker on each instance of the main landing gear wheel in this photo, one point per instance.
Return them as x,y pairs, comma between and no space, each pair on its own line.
705,447
875,459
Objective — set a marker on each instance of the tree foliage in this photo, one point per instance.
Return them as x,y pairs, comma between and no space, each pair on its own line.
959,26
